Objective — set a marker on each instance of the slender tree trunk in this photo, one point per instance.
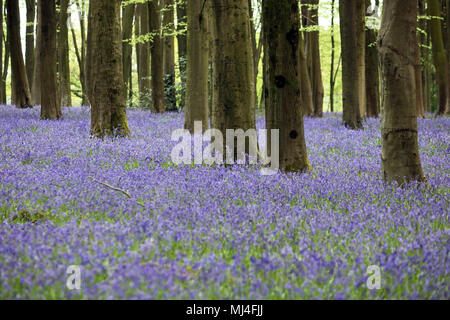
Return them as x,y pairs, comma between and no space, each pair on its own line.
22,96
36,89
352,13
333,53
305,83
63,51
397,42
107,89
2,84
197,66
424,54
233,104
169,55
283,110
29,40
314,52
440,58
127,48
372,71
182,44
143,56
50,104
156,49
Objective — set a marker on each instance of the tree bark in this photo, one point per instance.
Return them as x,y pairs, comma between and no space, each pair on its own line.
233,74
107,89
127,48
63,51
397,47
169,55
156,50
36,89
50,104
143,56
29,40
197,66
2,83
352,13
440,58
372,72
305,83
182,43
20,87
283,110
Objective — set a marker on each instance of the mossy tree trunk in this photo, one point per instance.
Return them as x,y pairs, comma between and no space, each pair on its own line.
107,89
233,74
397,46
283,102
197,66
352,15
50,104
156,50
20,88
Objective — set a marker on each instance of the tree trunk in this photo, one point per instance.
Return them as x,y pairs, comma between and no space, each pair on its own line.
143,56
169,55
197,66
36,89
397,47
156,50
440,58
313,55
22,96
372,71
127,48
29,40
283,110
352,13
2,84
182,44
233,74
50,104
107,93
63,49
305,82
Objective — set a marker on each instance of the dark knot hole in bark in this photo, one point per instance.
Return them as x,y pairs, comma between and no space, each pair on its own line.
293,134
280,81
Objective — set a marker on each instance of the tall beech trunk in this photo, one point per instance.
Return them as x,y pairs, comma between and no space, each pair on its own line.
313,57
283,110
397,47
127,48
29,40
20,88
233,74
372,71
182,43
169,55
305,83
107,89
63,52
50,104
156,50
2,83
197,66
36,89
143,55
352,14
440,58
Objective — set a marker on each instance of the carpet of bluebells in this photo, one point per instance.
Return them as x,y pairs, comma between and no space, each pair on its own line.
214,232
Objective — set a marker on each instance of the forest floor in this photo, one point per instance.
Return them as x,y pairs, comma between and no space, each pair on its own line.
215,232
